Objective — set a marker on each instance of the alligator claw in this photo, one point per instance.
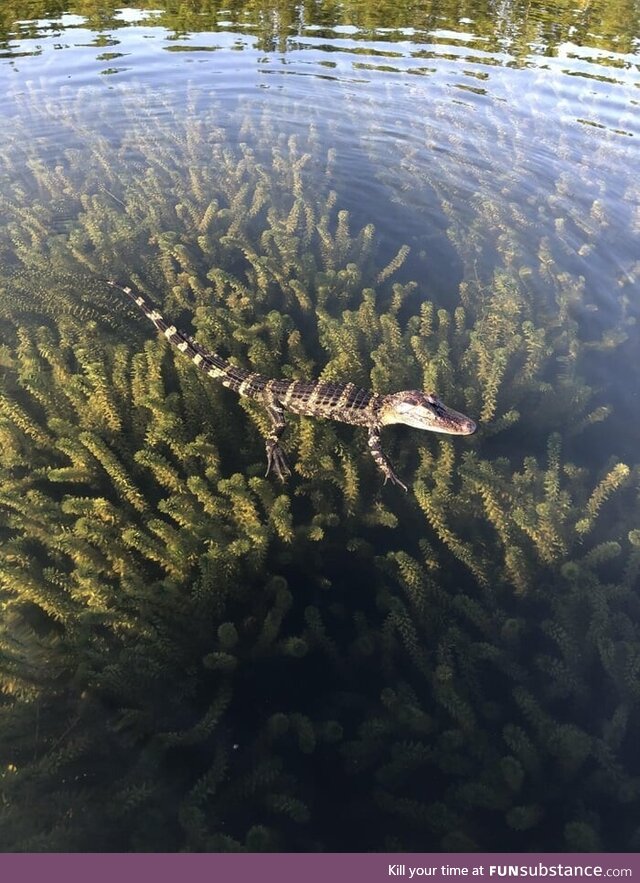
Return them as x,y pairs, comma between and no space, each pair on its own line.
393,478
277,461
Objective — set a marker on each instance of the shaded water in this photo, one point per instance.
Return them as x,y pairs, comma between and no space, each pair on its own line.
194,657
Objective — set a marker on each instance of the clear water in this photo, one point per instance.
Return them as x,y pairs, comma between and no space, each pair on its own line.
468,662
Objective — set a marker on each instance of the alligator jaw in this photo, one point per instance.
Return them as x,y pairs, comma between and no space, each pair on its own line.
446,421
450,422
424,411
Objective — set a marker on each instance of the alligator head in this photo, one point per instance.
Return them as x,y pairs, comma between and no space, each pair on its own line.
423,411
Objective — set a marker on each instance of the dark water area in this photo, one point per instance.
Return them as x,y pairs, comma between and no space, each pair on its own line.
432,196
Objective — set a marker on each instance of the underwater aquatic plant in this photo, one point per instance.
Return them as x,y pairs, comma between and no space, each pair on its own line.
215,639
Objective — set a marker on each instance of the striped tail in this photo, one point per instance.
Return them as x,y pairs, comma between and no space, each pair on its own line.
211,363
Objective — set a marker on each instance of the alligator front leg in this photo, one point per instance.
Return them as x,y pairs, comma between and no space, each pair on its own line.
276,459
375,446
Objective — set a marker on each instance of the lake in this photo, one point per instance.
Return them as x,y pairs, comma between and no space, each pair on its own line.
416,196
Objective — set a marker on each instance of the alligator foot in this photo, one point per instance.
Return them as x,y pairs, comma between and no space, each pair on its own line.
381,461
393,478
277,461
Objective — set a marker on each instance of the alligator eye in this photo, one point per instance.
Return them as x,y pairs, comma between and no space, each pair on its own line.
432,398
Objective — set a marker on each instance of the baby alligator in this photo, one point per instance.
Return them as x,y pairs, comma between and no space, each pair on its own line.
315,398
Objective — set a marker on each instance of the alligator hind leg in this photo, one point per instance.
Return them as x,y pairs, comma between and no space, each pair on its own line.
375,446
276,459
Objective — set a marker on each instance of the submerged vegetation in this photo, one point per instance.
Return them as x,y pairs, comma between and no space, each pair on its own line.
187,648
